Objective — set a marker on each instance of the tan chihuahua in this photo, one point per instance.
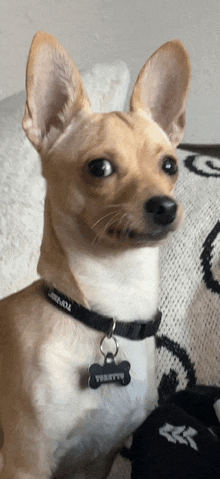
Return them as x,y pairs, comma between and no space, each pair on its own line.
109,204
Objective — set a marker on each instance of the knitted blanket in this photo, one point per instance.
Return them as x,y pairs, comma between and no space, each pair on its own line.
188,341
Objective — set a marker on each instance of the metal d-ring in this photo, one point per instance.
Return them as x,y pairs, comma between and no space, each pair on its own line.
110,336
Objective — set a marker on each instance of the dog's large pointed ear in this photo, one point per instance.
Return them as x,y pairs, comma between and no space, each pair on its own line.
162,87
55,92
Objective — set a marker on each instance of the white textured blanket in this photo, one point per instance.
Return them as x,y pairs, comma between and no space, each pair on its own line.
188,342
189,337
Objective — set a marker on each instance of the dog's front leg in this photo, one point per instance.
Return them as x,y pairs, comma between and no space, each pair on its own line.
97,469
24,467
26,453
101,468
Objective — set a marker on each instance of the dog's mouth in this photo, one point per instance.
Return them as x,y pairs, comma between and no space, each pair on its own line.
152,234
136,236
133,231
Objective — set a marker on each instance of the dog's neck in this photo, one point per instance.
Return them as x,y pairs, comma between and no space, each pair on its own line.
123,284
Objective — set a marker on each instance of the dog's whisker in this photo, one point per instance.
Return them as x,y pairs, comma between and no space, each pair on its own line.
109,223
121,219
125,229
115,205
102,230
102,218
120,233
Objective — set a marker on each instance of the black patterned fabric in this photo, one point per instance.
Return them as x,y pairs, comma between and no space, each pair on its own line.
180,439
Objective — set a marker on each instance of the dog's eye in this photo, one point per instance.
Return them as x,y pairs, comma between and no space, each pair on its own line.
170,166
100,168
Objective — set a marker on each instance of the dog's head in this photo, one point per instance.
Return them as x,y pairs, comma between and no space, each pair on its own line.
110,175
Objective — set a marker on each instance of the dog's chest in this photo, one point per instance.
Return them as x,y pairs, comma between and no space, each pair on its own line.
84,423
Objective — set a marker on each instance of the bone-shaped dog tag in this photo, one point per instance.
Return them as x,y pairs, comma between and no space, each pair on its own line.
109,372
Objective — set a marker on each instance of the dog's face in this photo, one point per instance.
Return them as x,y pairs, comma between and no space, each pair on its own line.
116,179
111,175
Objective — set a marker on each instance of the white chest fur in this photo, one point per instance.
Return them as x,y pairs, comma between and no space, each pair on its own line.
86,422
124,286
83,422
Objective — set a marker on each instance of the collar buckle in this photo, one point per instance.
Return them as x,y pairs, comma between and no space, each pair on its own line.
137,331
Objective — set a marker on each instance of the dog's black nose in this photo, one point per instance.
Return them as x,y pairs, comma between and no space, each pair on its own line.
162,209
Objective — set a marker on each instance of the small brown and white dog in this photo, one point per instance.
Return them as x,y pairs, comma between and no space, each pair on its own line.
109,204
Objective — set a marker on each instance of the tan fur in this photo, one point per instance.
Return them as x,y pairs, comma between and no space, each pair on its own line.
49,415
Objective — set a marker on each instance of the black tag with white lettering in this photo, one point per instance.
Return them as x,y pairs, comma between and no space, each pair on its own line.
109,373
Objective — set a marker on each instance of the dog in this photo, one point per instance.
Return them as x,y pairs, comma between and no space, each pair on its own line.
109,205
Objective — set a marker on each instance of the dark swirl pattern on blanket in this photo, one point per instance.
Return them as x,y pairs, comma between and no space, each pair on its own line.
169,382
206,260
203,165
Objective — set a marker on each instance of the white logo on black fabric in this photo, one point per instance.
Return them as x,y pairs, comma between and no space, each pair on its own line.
179,434
64,304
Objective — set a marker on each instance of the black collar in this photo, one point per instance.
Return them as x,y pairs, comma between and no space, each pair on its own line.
135,330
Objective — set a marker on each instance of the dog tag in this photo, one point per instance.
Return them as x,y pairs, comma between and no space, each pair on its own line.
109,372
